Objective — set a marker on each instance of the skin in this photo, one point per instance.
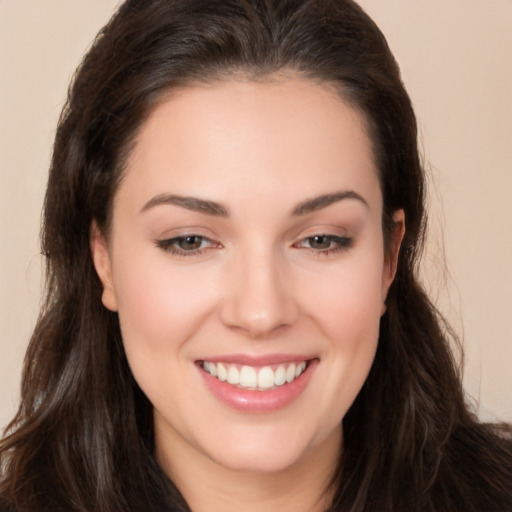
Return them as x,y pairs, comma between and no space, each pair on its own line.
260,284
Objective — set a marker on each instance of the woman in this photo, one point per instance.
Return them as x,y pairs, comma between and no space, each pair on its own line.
232,224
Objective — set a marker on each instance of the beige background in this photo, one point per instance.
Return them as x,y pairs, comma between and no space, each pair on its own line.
456,58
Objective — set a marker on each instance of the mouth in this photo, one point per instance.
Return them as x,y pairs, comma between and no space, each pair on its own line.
257,385
255,378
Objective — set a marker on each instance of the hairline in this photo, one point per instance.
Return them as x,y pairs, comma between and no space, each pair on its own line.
240,74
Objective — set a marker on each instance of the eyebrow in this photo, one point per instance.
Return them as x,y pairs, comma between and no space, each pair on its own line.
218,210
190,203
323,201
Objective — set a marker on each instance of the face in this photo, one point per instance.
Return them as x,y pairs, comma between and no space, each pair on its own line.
246,263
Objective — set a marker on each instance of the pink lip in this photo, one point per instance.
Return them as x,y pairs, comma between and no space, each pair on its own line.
253,401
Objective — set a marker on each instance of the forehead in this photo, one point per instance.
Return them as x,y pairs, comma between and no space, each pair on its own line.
287,135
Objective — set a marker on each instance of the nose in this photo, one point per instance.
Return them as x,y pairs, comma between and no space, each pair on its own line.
259,297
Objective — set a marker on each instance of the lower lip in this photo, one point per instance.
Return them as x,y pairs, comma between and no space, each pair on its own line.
253,401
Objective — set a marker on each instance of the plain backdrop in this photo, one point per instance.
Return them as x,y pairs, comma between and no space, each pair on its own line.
456,60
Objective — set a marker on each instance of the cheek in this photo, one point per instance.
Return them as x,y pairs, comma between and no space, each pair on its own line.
351,322
347,307
159,306
348,301
159,312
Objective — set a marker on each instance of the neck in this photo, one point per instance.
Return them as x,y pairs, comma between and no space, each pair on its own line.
302,487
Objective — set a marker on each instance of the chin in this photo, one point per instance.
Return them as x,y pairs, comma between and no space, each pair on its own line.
270,450
258,461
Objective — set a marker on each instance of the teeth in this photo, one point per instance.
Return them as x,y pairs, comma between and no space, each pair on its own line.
233,375
290,373
248,377
280,376
266,378
220,372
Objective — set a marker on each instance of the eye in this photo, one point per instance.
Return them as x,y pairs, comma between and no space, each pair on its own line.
325,244
187,245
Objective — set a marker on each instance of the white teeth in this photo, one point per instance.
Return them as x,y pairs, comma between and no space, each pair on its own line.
233,375
248,378
252,378
220,372
290,373
266,378
280,376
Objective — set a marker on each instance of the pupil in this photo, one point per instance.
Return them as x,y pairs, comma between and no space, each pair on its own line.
191,242
320,242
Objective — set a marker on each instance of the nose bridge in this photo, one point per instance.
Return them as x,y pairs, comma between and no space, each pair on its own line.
259,298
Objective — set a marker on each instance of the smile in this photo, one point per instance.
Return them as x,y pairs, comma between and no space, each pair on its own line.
252,378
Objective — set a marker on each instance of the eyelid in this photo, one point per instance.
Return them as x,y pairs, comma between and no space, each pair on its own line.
338,238
344,241
170,244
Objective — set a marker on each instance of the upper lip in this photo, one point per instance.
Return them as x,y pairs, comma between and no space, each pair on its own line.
261,360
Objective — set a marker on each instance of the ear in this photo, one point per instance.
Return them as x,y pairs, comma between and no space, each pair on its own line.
391,254
102,264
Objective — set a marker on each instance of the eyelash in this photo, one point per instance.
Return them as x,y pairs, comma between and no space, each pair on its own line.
171,245
336,244
341,243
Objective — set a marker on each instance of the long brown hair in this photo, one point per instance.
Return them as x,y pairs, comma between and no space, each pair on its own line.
82,439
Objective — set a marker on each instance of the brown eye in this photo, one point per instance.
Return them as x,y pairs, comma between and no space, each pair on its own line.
189,243
320,242
325,244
